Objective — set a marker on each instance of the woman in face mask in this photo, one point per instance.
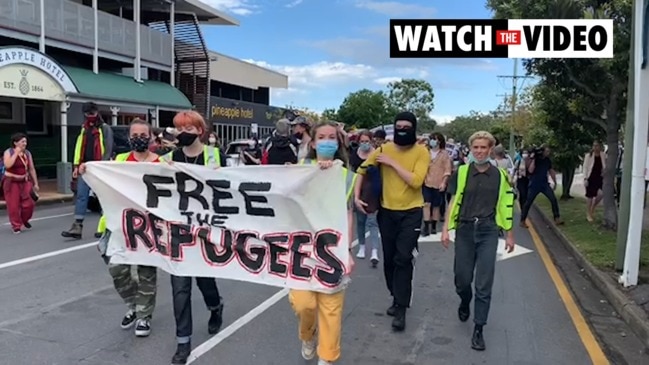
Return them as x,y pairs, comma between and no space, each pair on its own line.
365,222
213,140
439,170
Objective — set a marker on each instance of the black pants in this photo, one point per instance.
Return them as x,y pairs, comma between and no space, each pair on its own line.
399,234
476,244
181,287
522,185
535,190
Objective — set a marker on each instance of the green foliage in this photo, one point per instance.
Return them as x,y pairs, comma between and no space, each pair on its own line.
330,114
365,109
462,127
416,96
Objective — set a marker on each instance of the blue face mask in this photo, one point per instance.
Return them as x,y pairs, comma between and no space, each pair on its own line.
326,148
472,159
364,146
433,143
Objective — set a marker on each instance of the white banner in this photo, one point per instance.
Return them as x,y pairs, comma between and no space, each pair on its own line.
283,226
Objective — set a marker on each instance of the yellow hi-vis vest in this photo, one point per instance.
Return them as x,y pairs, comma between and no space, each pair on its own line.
350,179
211,156
101,226
504,207
77,146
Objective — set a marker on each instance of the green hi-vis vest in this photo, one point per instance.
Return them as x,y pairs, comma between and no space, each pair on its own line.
77,146
350,179
504,207
101,227
211,156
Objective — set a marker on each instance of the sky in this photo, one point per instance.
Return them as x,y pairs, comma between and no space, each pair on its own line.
329,48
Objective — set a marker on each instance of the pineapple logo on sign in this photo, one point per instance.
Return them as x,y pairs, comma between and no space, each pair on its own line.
23,86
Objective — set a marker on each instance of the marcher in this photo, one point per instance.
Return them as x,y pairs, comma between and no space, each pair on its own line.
540,169
191,126
434,188
279,149
138,294
522,180
482,203
19,183
319,312
365,222
594,165
94,143
403,165
302,134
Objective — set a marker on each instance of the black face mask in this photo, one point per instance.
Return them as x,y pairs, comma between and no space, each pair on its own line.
186,139
405,137
298,135
139,144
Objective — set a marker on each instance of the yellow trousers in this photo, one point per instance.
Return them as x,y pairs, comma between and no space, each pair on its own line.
327,309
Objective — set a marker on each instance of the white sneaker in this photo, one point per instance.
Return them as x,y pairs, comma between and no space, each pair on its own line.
375,256
361,252
142,327
323,362
308,349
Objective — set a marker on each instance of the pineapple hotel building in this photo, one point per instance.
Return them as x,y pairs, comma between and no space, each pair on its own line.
134,58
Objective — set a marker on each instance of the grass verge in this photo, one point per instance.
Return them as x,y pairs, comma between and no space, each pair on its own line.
595,243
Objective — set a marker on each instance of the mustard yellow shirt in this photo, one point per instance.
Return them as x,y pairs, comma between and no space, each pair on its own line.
396,193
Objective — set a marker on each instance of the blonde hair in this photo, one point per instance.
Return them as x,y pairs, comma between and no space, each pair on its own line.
482,135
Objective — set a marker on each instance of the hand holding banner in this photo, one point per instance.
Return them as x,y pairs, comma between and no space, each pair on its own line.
283,226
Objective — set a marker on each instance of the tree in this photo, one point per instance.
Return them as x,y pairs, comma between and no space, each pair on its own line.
365,109
330,114
416,96
462,127
597,86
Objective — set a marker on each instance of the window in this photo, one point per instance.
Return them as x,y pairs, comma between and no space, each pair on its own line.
36,117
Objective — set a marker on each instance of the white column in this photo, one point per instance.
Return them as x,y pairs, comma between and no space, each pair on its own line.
64,130
172,32
113,116
138,41
641,115
155,116
95,51
41,41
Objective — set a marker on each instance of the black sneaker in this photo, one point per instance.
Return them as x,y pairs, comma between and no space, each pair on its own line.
216,320
477,340
129,320
399,321
463,312
393,308
143,327
27,225
182,353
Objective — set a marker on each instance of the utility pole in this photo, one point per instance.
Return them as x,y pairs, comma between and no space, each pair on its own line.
515,77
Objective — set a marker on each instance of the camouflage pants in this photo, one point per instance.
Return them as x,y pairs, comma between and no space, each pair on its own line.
138,294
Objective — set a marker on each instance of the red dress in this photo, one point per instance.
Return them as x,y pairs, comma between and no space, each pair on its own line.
17,194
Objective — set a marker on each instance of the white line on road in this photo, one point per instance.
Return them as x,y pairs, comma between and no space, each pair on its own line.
44,218
46,255
206,346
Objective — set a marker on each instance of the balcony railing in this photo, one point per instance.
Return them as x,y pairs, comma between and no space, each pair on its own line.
72,23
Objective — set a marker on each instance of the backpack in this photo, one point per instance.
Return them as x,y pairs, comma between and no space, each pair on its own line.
265,158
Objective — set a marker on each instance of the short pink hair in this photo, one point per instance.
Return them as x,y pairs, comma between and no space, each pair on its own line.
190,118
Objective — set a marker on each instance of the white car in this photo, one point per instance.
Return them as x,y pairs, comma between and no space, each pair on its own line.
233,152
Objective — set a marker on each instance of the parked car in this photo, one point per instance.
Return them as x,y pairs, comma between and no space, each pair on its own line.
234,149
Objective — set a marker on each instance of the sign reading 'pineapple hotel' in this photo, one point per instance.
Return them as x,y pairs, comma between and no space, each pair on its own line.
27,73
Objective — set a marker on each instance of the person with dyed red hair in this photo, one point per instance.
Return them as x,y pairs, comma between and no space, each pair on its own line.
191,128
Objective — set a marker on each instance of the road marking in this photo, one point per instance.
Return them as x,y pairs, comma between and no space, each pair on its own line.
206,346
501,253
44,218
27,260
593,348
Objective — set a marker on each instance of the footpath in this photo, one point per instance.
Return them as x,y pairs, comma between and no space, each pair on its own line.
632,304
48,195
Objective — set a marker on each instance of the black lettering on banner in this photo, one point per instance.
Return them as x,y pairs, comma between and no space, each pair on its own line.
251,257
298,270
277,247
135,227
153,194
184,195
214,255
219,195
332,273
181,236
189,216
159,227
256,187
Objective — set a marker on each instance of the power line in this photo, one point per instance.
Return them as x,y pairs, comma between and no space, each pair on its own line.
514,96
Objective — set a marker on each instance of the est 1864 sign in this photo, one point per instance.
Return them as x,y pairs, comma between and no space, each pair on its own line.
27,73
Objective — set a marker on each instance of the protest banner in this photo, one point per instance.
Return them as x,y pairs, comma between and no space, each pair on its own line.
283,226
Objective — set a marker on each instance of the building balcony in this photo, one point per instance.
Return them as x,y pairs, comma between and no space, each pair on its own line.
70,25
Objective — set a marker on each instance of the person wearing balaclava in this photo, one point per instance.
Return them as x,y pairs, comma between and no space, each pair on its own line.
94,143
403,165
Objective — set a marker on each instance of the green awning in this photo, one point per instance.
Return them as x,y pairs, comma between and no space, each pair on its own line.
108,86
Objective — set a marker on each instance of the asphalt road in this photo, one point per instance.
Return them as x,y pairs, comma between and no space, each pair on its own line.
59,308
